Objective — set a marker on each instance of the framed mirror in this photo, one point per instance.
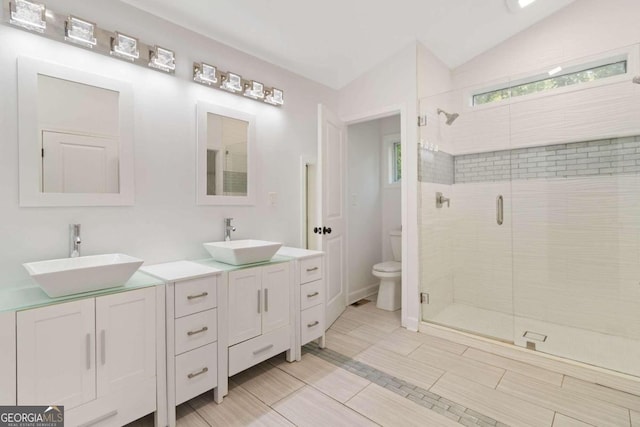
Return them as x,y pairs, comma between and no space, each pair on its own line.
225,164
75,132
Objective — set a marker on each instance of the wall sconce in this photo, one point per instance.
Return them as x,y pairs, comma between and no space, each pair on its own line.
254,90
125,47
274,97
232,82
79,31
204,73
162,59
28,15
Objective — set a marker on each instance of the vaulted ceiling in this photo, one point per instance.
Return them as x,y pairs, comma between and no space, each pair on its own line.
335,41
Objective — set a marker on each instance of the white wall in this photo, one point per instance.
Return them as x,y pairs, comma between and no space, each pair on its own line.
391,195
365,207
387,89
165,223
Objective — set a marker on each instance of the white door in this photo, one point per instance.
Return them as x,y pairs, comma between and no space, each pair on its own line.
275,295
126,340
245,304
56,354
79,163
332,142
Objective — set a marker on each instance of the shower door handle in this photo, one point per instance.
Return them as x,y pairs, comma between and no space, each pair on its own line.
499,210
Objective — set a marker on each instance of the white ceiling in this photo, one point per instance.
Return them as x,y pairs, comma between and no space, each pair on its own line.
335,41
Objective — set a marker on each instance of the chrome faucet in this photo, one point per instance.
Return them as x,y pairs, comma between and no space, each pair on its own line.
74,240
228,228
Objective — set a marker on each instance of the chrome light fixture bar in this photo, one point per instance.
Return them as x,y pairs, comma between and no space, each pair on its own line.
28,15
162,59
125,47
205,73
79,31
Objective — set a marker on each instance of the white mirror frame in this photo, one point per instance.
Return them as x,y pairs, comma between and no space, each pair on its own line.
29,141
204,108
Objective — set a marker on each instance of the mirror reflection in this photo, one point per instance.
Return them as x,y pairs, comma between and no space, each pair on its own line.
78,127
226,156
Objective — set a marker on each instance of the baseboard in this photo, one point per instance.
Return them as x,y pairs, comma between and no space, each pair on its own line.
410,323
363,293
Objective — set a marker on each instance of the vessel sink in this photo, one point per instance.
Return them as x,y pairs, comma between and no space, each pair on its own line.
240,252
67,276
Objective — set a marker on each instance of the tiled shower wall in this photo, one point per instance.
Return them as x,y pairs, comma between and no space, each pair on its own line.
593,158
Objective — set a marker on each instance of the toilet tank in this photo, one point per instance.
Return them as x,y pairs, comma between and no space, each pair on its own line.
395,236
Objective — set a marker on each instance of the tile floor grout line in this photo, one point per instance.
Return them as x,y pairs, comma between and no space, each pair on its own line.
197,413
451,410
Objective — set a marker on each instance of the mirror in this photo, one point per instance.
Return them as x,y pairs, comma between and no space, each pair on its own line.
225,143
75,137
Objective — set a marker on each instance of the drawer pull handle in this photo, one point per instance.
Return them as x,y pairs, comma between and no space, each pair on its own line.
315,294
199,331
260,350
100,418
309,270
200,372
204,294
312,324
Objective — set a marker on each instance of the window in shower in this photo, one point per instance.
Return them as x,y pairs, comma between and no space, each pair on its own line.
554,79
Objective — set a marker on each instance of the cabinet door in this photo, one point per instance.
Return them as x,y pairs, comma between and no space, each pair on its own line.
56,354
8,358
126,339
245,305
276,294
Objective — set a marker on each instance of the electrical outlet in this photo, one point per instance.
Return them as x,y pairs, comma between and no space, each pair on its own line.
273,198
354,199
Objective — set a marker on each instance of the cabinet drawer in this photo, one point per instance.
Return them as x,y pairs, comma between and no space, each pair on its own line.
311,294
258,349
311,324
196,372
310,269
196,330
193,296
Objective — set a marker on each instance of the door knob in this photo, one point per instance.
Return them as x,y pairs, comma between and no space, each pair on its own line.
326,230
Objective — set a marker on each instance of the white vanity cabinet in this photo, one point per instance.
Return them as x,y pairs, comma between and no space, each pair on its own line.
8,358
311,285
95,356
259,314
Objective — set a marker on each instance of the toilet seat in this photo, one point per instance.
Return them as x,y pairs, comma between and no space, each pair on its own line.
388,267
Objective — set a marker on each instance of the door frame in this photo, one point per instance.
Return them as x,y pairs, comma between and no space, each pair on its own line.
409,208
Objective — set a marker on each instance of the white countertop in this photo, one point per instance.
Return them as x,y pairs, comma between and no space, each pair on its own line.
298,253
179,270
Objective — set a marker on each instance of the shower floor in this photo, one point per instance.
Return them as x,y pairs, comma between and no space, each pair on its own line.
608,351
493,324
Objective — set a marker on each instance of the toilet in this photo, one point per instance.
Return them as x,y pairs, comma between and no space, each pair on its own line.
390,274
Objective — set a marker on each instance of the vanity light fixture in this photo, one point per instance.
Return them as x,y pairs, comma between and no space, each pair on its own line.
231,82
28,15
124,46
274,97
162,59
254,90
525,3
205,73
79,31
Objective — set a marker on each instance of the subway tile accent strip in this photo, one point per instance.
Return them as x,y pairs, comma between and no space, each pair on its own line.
593,158
454,411
436,167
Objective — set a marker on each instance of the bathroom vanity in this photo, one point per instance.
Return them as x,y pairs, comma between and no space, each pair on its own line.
96,353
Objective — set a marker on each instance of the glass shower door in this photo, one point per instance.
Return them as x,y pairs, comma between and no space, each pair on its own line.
466,245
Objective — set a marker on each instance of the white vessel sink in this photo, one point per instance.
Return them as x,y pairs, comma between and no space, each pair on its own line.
240,252
66,276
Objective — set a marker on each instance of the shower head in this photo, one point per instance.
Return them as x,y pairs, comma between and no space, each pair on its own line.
451,117
636,80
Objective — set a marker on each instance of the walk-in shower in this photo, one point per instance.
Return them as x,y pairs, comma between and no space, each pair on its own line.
540,246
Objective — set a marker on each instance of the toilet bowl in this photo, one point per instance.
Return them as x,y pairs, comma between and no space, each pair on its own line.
390,274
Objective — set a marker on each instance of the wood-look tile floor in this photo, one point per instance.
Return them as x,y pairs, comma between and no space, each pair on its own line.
487,384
